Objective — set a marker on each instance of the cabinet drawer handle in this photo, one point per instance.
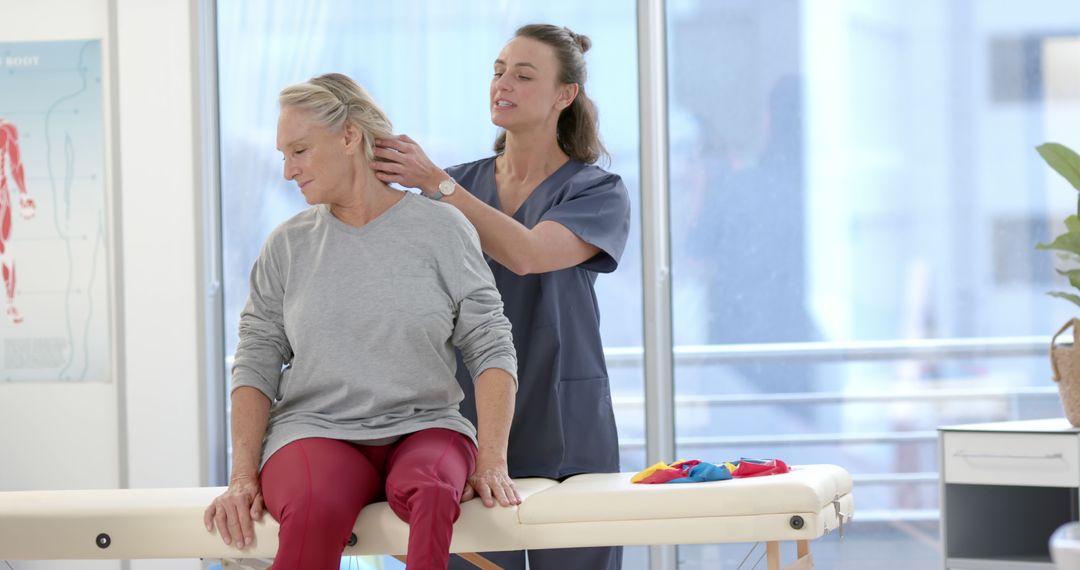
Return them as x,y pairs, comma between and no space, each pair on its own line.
966,455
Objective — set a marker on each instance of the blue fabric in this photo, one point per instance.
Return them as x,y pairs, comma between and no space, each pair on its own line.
705,471
563,423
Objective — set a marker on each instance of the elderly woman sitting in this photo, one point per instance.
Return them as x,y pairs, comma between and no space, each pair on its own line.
343,387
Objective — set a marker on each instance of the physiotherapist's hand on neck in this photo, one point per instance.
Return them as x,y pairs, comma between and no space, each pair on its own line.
401,160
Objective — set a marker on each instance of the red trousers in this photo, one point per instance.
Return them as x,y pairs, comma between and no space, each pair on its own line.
316,487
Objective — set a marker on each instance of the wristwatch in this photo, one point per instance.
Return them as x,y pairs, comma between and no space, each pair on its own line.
446,188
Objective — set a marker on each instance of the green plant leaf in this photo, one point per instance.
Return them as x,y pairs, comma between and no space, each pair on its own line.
1073,275
1062,159
1069,241
1072,223
1067,296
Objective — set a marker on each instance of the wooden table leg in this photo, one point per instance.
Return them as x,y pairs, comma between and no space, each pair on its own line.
479,561
772,549
805,560
471,557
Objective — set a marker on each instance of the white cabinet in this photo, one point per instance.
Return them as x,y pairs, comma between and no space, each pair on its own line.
1005,488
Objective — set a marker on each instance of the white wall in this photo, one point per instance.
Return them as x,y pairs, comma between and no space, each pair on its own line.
144,428
158,209
57,435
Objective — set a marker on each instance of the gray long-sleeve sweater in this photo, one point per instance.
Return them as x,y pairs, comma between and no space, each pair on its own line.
364,322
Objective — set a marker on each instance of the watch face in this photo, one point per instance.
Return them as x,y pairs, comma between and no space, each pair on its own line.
446,187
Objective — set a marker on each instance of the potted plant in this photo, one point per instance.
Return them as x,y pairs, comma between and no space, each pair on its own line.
1065,359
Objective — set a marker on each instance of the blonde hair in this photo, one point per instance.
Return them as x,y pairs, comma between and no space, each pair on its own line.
334,99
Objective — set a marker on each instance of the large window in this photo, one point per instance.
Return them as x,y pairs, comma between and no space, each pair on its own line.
854,202
855,197
428,64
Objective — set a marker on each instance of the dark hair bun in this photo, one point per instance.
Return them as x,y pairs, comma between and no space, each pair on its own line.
583,41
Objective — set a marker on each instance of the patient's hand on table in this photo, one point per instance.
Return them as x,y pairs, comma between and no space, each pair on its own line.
234,510
492,484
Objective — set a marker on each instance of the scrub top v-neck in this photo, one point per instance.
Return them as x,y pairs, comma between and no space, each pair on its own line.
563,422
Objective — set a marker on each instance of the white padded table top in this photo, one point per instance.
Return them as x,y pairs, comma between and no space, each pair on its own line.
612,497
586,510
608,510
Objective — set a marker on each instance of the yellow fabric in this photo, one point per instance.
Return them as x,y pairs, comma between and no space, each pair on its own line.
660,466
648,471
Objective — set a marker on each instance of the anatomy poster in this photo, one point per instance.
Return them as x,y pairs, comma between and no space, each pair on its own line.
54,259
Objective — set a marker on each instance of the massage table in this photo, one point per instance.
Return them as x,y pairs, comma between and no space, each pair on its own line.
584,510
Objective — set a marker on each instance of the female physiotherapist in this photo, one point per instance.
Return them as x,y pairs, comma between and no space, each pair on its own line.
549,220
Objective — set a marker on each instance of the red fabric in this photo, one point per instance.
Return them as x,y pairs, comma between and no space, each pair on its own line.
315,489
661,476
757,468
684,466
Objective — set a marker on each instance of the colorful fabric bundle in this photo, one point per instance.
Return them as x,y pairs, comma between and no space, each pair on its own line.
759,467
697,471
689,471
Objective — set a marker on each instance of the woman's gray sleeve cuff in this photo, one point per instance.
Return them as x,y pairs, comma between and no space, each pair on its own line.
504,363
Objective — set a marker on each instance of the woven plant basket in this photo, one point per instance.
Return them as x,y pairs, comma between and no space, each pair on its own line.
1065,361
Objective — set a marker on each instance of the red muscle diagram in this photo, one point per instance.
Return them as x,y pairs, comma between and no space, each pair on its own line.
9,153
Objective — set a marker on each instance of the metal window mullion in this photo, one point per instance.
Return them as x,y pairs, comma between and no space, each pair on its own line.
211,390
920,395
851,351
656,249
793,439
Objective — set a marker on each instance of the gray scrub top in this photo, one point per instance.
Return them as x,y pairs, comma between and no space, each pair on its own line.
563,421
